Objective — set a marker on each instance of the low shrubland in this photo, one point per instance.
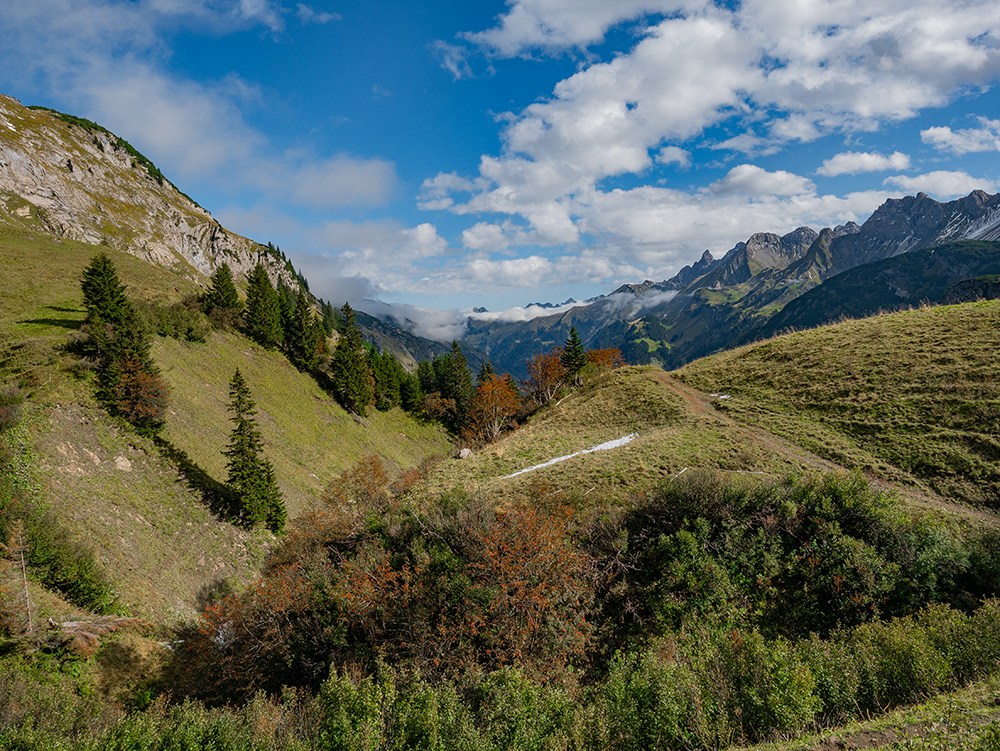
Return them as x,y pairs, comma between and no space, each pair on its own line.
706,613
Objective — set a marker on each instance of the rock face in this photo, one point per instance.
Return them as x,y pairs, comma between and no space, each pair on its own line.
78,180
970,290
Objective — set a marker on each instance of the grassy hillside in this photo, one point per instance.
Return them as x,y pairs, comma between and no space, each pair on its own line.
308,436
895,283
912,397
677,430
121,494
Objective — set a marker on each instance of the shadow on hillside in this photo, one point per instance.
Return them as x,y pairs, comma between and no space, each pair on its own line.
65,323
213,592
214,494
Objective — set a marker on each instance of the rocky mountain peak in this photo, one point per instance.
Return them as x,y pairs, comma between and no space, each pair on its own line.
75,179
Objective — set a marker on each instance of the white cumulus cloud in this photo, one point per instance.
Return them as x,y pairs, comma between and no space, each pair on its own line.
967,140
855,162
748,178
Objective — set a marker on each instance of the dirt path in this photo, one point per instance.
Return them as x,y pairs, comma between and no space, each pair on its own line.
701,406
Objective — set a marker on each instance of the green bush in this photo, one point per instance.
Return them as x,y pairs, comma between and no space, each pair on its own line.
652,701
898,663
514,713
771,688
835,671
180,320
60,562
392,711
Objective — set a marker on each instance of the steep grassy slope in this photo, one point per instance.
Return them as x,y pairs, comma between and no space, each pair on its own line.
913,396
122,493
308,436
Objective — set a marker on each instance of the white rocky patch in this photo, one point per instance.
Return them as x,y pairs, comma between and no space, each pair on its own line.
616,443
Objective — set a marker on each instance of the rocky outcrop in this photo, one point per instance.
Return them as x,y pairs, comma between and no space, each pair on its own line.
77,180
971,290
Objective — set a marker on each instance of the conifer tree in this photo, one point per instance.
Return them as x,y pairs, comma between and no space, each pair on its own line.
574,356
103,293
302,335
451,380
349,369
411,395
330,317
485,373
457,383
222,295
427,377
388,376
250,474
262,316
128,380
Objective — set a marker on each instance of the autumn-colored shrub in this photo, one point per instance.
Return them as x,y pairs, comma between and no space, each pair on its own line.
546,375
253,640
605,359
141,397
365,487
492,409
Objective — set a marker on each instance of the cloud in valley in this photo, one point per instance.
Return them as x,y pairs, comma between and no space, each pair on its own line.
663,137
814,67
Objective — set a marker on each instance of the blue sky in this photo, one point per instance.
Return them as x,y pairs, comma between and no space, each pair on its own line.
443,155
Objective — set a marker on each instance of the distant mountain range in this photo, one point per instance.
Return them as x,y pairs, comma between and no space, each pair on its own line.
771,283
69,177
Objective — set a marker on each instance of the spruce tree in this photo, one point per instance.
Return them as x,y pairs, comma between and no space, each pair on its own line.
458,383
574,356
302,335
103,293
222,294
387,374
411,396
250,474
485,373
453,381
349,369
128,381
262,316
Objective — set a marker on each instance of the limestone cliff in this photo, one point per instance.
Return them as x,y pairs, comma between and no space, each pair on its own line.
75,179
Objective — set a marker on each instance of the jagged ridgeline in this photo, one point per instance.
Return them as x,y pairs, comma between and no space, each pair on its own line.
768,283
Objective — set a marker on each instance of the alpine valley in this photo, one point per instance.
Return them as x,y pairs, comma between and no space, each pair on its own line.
776,525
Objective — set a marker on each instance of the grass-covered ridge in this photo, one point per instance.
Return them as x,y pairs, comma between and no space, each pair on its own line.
912,397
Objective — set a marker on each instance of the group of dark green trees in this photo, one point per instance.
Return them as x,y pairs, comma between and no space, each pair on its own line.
276,317
130,386
448,382
128,381
272,317
356,373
